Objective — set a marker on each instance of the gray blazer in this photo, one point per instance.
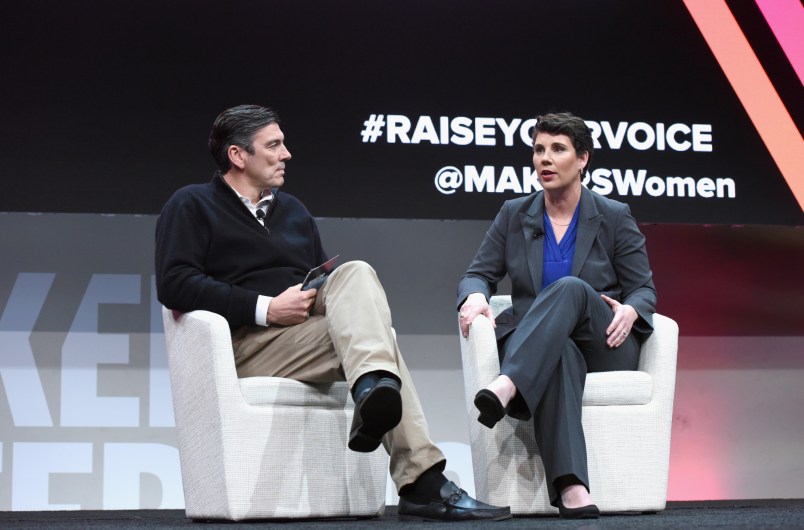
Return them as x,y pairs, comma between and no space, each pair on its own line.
609,255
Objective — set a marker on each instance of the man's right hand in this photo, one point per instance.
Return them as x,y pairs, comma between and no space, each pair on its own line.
291,307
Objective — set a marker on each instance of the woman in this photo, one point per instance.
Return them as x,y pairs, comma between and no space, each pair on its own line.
583,301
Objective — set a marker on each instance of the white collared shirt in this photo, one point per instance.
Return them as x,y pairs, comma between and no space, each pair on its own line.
263,302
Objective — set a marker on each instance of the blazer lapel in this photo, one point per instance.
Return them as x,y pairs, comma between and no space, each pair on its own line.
588,225
533,223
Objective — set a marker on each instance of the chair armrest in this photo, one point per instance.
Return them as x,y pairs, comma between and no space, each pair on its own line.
659,355
202,368
500,303
479,355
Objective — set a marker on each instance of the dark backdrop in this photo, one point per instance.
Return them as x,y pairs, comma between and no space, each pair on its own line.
107,105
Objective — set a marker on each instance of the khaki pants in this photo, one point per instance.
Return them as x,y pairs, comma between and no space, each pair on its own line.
347,335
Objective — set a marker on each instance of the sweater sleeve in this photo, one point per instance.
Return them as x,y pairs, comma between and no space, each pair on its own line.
182,242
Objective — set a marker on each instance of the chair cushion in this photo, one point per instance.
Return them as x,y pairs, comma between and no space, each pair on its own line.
279,391
617,388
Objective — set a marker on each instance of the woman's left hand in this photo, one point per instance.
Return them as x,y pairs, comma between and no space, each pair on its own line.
621,324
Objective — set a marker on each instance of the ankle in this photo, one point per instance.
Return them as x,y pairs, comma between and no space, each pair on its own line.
503,388
368,380
427,485
575,496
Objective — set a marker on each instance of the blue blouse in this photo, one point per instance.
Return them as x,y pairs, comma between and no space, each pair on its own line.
558,256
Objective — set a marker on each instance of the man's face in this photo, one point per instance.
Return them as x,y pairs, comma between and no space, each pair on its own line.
266,167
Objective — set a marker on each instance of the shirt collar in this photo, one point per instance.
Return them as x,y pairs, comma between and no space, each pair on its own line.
265,199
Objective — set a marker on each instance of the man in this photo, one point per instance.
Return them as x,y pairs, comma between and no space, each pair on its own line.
239,248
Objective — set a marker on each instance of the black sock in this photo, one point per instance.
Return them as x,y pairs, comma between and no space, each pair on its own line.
428,486
368,380
363,383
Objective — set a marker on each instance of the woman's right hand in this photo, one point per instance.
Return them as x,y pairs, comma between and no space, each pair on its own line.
474,305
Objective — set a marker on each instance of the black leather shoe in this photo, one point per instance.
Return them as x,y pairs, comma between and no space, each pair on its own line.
454,505
377,411
490,407
590,511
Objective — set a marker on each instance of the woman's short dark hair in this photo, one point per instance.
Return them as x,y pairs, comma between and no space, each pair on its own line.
237,126
570,125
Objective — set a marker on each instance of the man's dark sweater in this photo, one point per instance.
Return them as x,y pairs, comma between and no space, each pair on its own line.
213,254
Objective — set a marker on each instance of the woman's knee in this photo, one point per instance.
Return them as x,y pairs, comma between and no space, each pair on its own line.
573,284
568,290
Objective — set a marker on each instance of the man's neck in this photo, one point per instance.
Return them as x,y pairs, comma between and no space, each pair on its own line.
242,187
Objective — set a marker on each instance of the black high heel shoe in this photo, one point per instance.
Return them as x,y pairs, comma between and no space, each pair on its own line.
490,407
590,511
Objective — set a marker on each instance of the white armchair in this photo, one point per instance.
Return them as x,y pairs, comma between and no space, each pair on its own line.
626,420
262,447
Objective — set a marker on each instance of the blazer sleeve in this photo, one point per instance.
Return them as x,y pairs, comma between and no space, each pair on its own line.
633,271
488,267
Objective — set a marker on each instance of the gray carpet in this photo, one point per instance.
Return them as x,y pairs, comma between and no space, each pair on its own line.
688,515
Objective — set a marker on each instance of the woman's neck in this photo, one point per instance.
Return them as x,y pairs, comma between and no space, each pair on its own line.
561,206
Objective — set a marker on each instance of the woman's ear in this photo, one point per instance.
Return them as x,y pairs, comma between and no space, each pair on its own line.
584,159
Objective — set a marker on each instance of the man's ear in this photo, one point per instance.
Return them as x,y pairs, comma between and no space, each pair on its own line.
237,156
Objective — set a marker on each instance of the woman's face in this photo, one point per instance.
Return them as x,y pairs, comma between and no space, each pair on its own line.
557,164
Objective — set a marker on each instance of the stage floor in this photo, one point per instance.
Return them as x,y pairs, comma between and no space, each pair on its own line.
788,513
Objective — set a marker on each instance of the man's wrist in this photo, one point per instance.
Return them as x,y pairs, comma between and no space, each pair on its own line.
261,312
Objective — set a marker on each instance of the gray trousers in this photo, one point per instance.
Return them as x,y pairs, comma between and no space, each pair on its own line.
559,340
348,334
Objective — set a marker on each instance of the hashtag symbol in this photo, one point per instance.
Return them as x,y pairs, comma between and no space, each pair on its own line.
372,128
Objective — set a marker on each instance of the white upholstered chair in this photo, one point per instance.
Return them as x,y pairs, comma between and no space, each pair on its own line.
262,447
626,421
